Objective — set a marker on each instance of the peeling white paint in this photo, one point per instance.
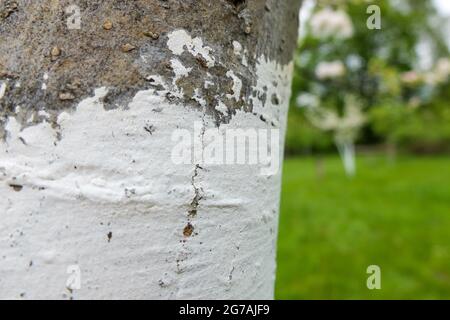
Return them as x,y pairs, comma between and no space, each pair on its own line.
2,89
237,86
273,81
180,40
240,52
156,80
106,197
237,48
179,69
180,72
222,108
44,85
44,114
198,97
208,82
244,59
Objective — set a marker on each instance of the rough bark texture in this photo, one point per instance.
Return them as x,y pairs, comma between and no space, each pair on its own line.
86,119
93,57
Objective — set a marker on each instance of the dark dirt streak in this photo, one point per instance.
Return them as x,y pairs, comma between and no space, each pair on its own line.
93,57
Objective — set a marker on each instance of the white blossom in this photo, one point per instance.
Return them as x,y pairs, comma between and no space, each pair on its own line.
442,69
330,23
410,77
438,74
330,70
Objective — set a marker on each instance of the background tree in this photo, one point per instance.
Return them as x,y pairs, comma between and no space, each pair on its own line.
345,129
399,73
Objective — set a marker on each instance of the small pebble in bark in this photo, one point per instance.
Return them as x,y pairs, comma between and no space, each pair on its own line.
107,25
74,84
151,34
55,53
66,96
128,47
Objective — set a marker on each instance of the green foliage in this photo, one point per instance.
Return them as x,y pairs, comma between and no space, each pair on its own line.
424,128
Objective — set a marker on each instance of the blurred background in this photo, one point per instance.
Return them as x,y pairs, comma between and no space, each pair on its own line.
367,170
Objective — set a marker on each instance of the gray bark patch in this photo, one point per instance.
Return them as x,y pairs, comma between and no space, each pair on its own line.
113,37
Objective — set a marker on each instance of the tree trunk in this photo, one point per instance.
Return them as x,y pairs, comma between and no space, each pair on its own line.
108,113
347,153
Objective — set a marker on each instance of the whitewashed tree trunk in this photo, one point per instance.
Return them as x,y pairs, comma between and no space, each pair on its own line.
93,203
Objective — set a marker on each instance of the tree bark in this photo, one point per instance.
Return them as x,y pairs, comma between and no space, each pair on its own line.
94,99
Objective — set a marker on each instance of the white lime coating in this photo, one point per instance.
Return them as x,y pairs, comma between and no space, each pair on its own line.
101,193
180,40
237,48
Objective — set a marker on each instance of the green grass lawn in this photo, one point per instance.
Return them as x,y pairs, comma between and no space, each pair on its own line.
394,215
